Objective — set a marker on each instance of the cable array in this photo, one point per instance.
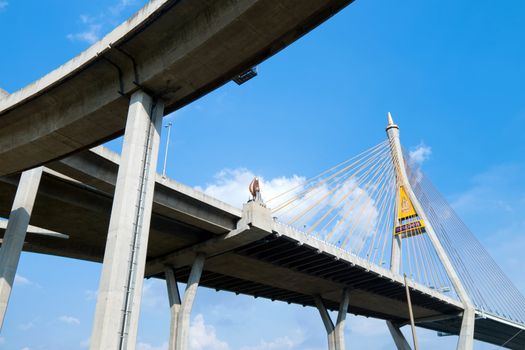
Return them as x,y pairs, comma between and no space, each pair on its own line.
489,288
353,206
350,205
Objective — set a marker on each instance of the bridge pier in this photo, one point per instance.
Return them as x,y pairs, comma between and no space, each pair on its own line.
181,311
175,303
466,334
15,234
335,334
120,291
397,335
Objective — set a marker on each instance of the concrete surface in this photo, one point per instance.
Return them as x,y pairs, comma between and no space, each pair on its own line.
279,263
177,50
115,325
15,233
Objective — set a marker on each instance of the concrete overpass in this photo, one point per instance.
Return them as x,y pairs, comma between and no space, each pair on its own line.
250,255
175,50
120,212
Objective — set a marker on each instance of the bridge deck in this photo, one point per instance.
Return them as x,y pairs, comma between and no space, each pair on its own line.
178,50
283,264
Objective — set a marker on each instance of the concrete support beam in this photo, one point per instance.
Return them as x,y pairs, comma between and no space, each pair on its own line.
255,223
397,156
327,321
118,303
466,334
335,334
397,335
395,257
175,305
183,317
340,324
15,234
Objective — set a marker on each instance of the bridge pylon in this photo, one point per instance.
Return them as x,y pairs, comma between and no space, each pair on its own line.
408,205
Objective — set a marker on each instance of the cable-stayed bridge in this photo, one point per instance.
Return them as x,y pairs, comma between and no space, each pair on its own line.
330,242
370,236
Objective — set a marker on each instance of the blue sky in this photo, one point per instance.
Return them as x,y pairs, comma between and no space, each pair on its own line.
450,72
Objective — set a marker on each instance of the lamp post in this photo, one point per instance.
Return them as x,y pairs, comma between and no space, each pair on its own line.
166,150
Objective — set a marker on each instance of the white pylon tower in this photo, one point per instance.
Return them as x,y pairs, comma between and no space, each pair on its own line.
466,337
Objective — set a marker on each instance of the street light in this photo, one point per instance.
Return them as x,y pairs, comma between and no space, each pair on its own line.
166,150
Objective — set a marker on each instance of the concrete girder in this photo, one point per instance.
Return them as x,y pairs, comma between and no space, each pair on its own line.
255,223
178,50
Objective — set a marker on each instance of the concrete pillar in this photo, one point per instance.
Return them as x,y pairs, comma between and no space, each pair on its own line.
183,319
327,321
397,155
175,304
397,335
466,334
395,257
340,324
118,303
15,234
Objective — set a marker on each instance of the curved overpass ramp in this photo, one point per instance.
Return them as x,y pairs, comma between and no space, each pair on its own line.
174,50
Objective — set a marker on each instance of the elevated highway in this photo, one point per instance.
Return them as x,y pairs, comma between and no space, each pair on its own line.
95,206
255,256
175,50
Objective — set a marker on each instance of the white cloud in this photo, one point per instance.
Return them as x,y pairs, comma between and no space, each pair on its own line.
25,348
354,208
117,9
95,25
369,327
69,320
294,340
147,346
22,281
419,154
154,294
26,326
491,207
204,336
3,4
491,190
90,35
231,186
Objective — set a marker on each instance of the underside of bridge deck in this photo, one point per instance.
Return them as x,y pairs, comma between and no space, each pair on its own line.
275,266
176,50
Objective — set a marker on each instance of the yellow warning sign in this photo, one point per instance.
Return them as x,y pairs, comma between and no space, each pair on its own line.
405,208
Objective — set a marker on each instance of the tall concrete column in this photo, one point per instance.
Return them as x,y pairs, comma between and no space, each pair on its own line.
340,324
183,319
397,156
118,303
392,132
397,335
15,234
327,321
175,305
466,334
